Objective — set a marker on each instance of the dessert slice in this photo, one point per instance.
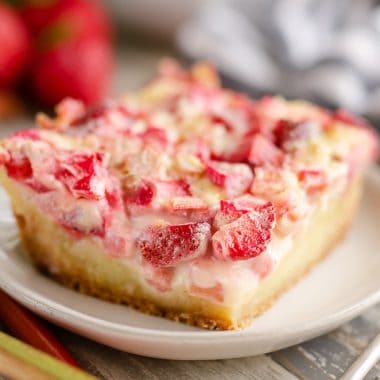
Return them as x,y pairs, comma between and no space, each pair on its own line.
185,199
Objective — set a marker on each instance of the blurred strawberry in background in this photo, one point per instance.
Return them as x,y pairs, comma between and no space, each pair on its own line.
14,46
72,49
60,47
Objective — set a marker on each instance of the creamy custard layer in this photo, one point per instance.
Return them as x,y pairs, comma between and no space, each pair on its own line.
223,282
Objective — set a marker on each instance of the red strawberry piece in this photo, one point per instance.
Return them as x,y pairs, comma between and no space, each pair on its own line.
15,46
289,131
349,118
313,180
140,193
246,237
264,152
230,210
168,245
79,173
234,178
19,167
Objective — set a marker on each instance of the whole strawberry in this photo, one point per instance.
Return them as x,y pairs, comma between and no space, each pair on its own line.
80,69
73,54
77,17
14,46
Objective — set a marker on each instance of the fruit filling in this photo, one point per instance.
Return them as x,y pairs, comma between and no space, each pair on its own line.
191,183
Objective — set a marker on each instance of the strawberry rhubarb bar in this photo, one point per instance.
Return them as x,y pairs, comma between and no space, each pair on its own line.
185,199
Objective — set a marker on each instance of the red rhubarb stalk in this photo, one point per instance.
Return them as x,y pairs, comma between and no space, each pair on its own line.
27,327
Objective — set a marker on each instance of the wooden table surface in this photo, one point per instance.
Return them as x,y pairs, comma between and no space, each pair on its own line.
326,357
323,358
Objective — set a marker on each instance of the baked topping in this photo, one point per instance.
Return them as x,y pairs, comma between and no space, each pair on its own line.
184,170
167,245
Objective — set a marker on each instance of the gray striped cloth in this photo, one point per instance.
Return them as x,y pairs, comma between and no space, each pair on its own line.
323,50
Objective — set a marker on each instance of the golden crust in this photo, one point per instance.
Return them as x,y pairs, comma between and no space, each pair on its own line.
78,280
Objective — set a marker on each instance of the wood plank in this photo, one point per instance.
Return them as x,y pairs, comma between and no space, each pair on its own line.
323,358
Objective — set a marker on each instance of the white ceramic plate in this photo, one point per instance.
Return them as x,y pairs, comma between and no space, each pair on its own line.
337,290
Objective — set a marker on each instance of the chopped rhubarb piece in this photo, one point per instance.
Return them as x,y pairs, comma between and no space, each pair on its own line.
203,95
113,195
4,156
263,265
28,134
246,237
144,192
271,181
264,152
141,193
32,330
217,119
230,210
160,278
84,220
168,245
117,246
214,293
70,110
187,203
79,173
19,167
169,68
349,118
155,135
234,178
313,180
196,147
172,188
205,74
288,131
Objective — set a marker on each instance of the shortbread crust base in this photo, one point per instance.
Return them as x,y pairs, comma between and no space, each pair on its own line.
85,266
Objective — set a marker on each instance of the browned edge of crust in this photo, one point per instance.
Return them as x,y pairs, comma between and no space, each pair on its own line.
80,282
339,237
